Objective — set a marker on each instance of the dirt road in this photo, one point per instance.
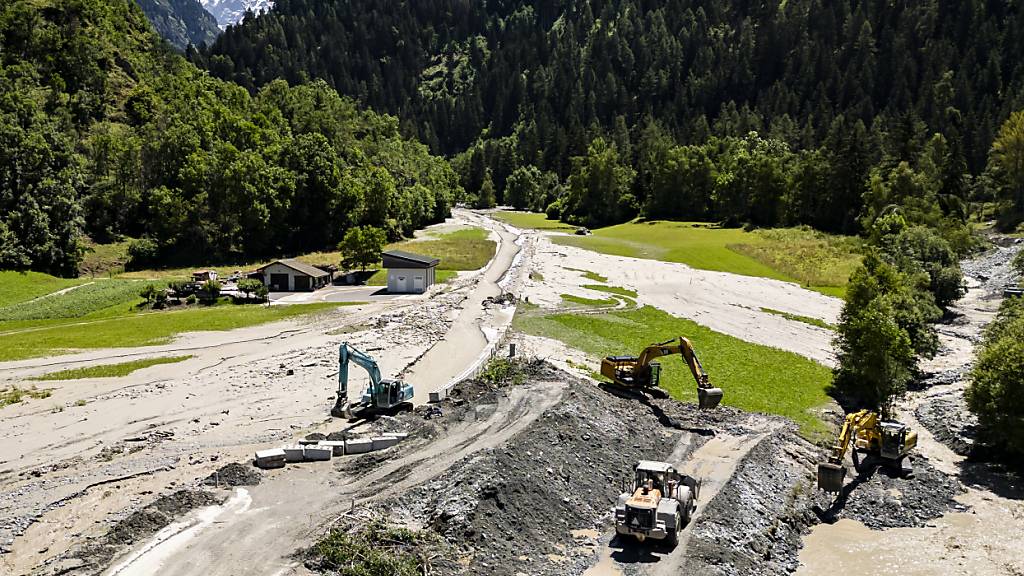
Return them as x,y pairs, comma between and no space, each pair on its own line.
173,423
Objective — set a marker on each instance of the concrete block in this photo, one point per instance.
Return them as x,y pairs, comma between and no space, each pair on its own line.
438,395
358,445
382,442
274,458
293,454
337,446
315,453
400,435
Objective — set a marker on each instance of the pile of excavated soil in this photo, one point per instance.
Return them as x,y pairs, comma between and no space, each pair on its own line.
755,522
94,556
949,421
513,509
881,499
234,474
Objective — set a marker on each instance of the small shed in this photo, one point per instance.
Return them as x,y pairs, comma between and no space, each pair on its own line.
409,273
291,275
204,275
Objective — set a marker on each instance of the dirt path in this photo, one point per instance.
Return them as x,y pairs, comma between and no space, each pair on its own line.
291,507
474,327
983,541
714,464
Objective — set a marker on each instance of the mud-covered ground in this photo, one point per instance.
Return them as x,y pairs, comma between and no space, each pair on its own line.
542,502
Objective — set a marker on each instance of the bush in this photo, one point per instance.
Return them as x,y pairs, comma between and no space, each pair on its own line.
191,299
149,293
996,392
181,287
209,291
253,288
142,253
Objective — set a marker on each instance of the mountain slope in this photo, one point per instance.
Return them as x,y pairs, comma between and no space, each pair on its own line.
181,22
105,131
525,82
228,12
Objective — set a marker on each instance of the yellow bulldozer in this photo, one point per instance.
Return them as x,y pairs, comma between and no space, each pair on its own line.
643,373
888,442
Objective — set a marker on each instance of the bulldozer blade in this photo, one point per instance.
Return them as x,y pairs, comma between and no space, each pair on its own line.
831,477
708,398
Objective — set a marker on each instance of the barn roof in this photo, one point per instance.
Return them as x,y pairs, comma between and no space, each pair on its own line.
419,259
299,266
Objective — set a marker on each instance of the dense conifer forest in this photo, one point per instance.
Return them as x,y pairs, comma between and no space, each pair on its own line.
768,113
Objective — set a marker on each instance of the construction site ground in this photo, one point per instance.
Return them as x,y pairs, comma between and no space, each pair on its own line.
150,473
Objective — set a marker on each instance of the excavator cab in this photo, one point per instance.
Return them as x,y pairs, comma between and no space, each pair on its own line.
893,441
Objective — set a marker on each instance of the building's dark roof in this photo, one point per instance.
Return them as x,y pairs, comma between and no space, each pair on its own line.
424,261
299,266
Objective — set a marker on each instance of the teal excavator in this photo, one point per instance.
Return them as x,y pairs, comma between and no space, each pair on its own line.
379,396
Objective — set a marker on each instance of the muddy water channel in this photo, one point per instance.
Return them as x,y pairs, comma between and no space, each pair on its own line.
983,539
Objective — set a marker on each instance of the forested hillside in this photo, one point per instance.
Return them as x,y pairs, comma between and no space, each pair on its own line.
838,93
104,130
181,22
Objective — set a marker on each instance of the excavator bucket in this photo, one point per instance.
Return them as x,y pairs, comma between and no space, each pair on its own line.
831,477
708,398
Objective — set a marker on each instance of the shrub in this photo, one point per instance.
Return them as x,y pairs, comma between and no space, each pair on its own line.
253,288
149,293
181,287
209,291
142,253
996,391
191,299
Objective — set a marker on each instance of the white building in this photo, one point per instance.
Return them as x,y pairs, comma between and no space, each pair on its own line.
409,273
291,275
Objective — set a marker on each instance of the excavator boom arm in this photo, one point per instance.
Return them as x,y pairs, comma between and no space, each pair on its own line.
684,349
348,353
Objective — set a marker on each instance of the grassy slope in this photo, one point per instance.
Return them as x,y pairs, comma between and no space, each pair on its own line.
103,315
815,260
136,329
23,286
754,377
110,370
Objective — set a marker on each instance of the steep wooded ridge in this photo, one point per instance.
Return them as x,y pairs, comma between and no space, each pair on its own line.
181,22
105,130
833,90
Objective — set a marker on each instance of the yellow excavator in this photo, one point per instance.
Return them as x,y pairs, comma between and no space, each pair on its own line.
644,373
888,442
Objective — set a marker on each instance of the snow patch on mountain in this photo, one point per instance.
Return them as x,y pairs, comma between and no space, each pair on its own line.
229,12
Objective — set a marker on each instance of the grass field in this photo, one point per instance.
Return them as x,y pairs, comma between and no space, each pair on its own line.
20,340
468,249
611,290
588,301
798,318
534,220
111,370
84,300
754,377
592,276
24,286
818,261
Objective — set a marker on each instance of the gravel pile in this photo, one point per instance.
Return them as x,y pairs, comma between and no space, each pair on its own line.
234,474
513,509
